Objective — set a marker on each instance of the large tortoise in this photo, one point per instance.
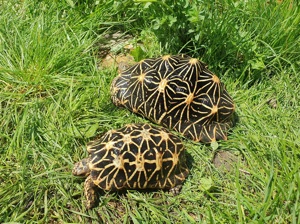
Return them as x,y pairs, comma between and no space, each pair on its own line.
178,92
137,156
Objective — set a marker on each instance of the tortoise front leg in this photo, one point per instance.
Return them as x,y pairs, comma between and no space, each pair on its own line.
90,193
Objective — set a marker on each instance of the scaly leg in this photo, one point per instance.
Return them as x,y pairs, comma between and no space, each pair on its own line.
176,190
90,193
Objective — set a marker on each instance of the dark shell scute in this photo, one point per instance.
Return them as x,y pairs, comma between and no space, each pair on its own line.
137,156
178,92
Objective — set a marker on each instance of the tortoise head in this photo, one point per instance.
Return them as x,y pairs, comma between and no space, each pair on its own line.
82,168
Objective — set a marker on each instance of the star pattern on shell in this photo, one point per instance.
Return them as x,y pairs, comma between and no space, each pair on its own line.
137,156
177,92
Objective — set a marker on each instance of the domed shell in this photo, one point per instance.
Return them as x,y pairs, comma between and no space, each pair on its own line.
137,156
178,92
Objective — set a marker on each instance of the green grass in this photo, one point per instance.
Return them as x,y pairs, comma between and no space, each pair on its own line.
54,98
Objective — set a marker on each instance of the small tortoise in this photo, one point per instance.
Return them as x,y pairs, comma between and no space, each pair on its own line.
137,156
177,92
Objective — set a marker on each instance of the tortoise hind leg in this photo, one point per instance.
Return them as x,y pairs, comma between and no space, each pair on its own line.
178,178
90,193
176,190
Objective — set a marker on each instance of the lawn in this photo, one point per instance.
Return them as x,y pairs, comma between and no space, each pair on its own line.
54,98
